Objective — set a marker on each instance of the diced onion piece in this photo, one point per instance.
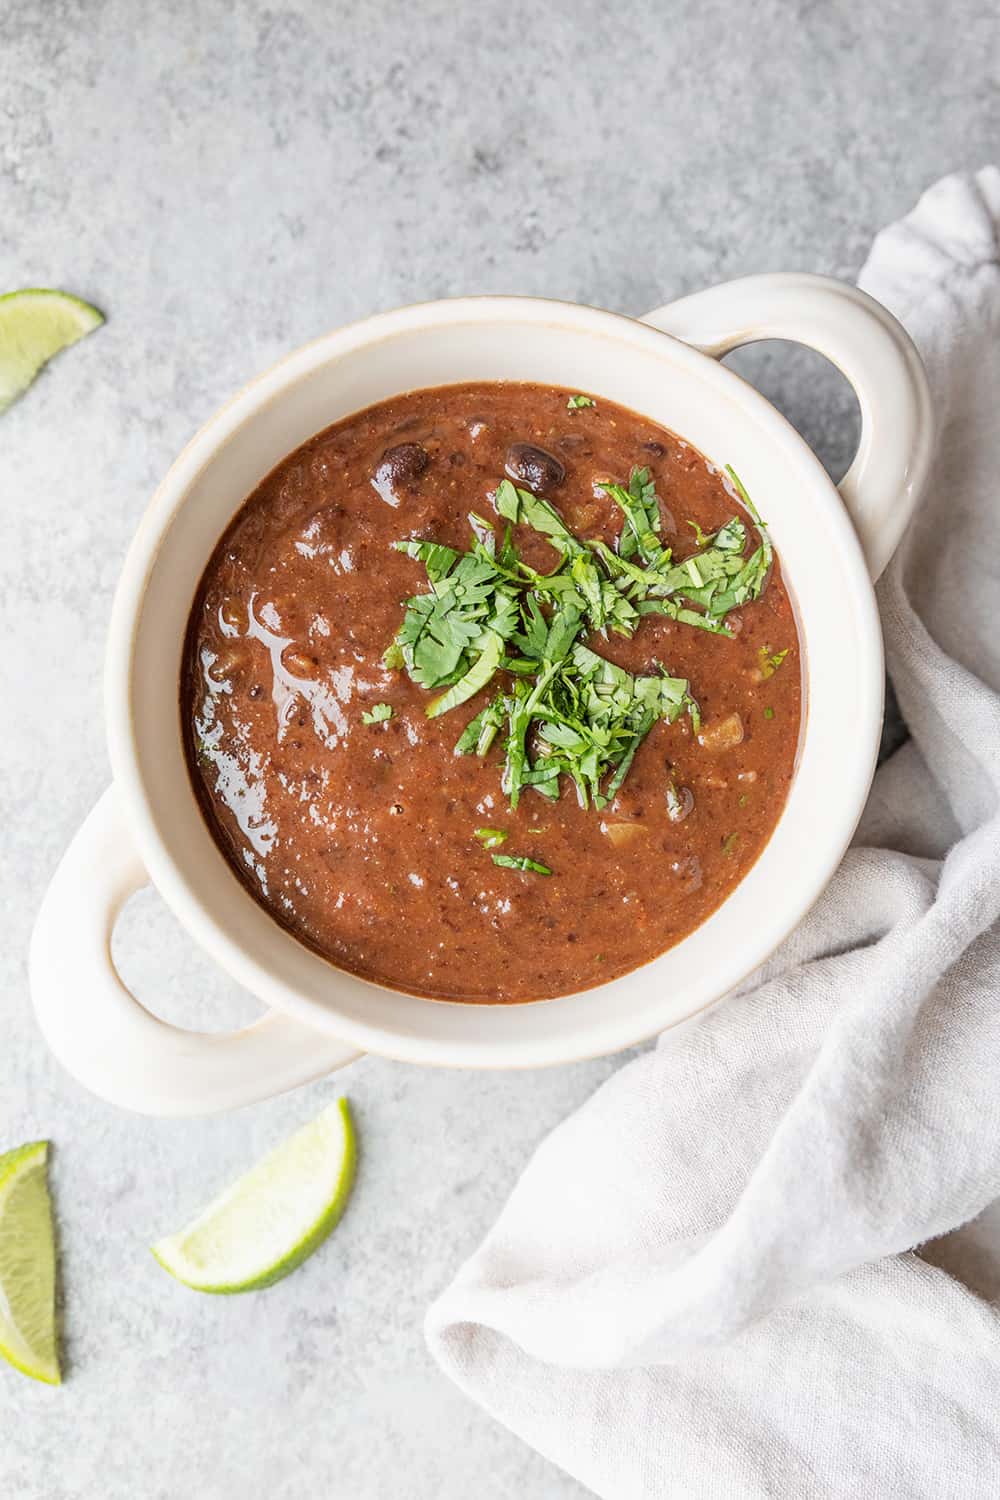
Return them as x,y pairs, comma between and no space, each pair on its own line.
723,734
587,516
623,834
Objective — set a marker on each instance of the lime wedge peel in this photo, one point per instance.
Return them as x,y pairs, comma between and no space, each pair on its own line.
35,324
27,1264
274,1216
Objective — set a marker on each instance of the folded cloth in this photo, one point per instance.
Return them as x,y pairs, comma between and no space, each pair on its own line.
704,1284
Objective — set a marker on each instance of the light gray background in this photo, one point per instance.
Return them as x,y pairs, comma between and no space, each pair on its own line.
227,181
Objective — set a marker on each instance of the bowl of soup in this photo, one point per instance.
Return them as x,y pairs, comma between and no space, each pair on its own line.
495,682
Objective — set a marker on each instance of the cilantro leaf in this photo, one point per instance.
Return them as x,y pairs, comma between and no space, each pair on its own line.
675,611
768,662
564,628
438,560
531,510
476,677
765,550
618,567
479,734
533,638
491,838
521,862
448,633
577,403
379,713
642,515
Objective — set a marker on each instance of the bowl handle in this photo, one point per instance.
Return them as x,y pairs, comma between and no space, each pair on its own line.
112,1044
868,346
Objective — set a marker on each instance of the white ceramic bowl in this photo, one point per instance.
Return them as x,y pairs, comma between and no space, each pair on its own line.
148,825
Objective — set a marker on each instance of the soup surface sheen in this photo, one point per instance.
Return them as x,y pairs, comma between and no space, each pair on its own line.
374,842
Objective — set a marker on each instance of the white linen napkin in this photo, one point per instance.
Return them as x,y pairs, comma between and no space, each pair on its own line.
704,1284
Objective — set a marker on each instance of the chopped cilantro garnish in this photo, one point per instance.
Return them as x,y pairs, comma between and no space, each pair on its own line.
767,555
445,632
377,714
576,403
525,506
521,862
768,662
562,710
491,838
769,712
642,516
742,799
718,578
480,732
478,675
730,842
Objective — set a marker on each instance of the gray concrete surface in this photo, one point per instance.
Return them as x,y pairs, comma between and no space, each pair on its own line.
227,181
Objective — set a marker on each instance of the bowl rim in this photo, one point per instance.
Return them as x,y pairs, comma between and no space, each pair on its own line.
222,428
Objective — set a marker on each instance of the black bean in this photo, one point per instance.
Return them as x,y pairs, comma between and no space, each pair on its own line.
535,468
654,447
405,461
399,466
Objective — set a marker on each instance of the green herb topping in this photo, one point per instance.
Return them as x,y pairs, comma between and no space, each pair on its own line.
491,838
730,842
642,516
769,713
768,662
761,526
561,709
577,403
521,862
379,713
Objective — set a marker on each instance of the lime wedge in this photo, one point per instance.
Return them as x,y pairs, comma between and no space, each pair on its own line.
274,1216
34,325
27,1264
